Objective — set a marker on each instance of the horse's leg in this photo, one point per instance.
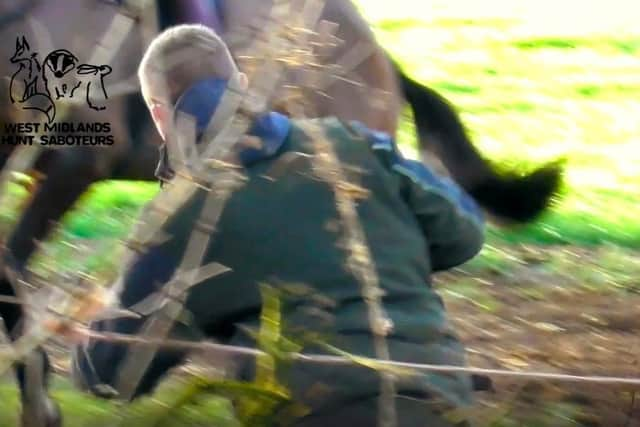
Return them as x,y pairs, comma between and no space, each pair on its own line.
38,409
69,172
511,196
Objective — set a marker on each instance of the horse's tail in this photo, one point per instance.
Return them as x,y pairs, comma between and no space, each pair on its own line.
509,196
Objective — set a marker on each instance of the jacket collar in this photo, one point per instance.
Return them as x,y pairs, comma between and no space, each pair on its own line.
271,128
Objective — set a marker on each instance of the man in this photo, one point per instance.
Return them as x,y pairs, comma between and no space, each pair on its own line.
283,229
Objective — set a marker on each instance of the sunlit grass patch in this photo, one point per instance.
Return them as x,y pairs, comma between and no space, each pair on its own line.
82,410
628,46
487,23
530,100
79,410
454,87
546,43
398,24
472,292
109,207
594,218
608,91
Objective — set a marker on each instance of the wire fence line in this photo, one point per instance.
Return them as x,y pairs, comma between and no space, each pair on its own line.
213,347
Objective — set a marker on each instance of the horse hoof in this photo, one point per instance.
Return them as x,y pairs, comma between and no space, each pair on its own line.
50,415
53,415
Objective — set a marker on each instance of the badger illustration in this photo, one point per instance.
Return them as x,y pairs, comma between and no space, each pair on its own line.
58,75
63,76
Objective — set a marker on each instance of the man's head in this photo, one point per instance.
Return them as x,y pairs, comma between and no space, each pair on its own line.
177,59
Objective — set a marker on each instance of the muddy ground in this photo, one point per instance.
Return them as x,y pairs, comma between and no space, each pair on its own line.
535,319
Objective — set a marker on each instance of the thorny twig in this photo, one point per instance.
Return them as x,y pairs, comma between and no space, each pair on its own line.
328,167
360,262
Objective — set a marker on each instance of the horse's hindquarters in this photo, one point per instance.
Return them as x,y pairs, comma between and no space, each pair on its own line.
358,82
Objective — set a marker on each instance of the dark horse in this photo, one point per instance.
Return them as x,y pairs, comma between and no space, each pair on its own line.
76,26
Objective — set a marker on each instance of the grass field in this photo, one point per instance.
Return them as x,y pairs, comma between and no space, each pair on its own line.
531,90
534,81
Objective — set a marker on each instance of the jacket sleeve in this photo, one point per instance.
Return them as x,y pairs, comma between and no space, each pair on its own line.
451,221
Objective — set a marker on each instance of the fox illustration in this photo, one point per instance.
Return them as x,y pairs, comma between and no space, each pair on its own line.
26,87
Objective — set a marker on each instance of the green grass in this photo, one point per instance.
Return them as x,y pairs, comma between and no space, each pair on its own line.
528,97
591,216
628,46
82,410
110,207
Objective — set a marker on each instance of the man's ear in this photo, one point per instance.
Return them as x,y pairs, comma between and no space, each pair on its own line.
161,115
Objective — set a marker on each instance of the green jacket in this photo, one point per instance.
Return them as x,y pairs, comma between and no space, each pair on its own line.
282,228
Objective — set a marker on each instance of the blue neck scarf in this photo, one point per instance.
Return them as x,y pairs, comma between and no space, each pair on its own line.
201,101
